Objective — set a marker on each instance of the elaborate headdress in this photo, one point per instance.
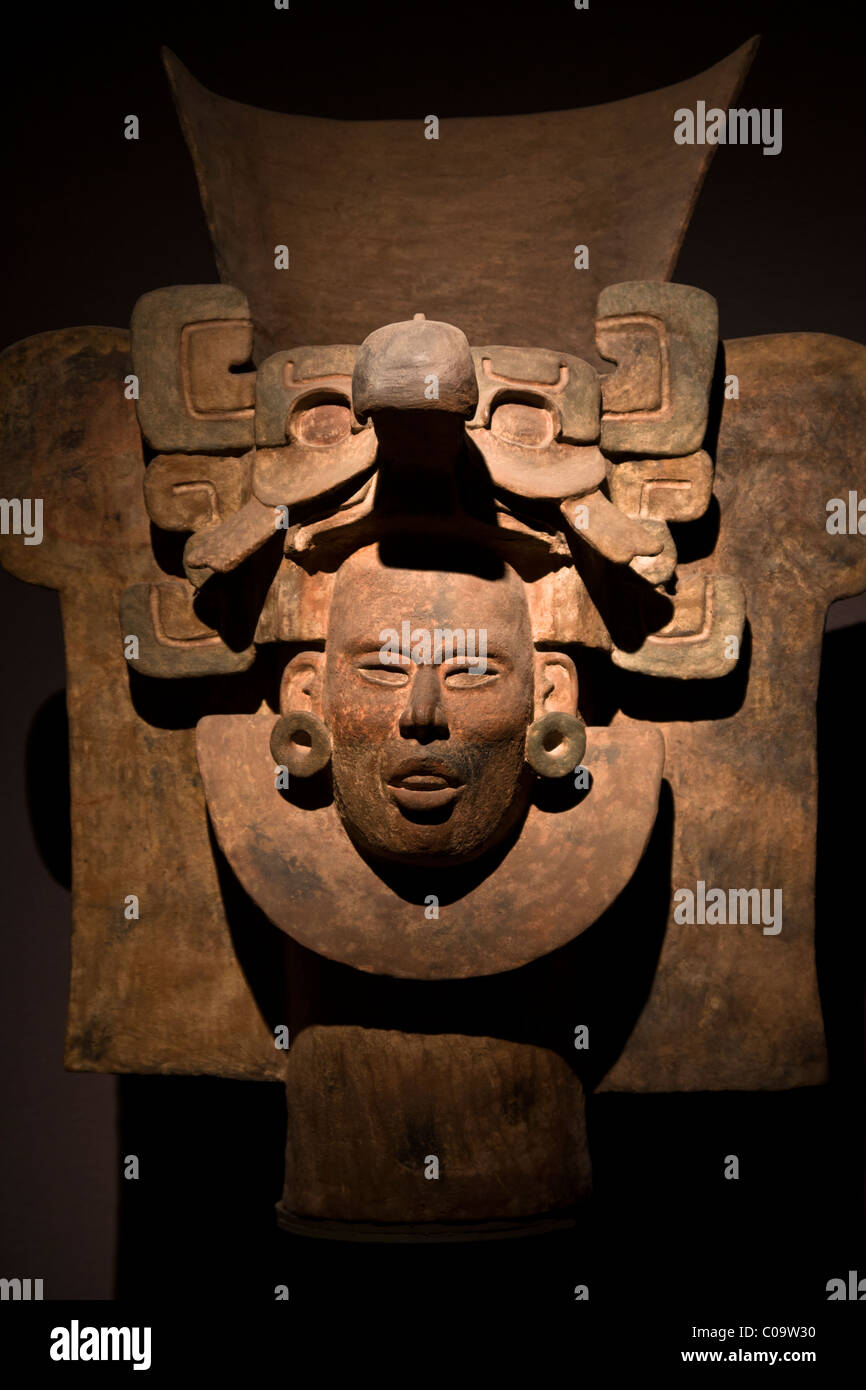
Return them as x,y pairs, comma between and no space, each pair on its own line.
570,474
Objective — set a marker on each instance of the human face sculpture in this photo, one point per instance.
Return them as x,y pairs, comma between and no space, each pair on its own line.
428,743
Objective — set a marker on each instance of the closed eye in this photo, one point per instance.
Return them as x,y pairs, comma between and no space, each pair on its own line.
469,677
379,672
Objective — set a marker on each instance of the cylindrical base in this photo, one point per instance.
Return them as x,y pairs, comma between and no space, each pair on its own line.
399,1136
420,1233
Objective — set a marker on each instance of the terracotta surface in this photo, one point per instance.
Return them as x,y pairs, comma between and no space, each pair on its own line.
477,228
161,992
649,558
513,1145
299,868
147,997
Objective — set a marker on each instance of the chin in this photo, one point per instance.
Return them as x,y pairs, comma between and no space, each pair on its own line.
413,840
435,855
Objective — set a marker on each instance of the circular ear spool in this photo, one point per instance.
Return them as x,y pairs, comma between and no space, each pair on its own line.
555,744
301,743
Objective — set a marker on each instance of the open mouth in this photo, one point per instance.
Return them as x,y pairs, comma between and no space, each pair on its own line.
421,786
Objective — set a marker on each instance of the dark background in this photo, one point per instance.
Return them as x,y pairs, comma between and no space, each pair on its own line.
91,222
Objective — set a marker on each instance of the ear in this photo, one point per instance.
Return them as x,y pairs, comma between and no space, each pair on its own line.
555,684
301,685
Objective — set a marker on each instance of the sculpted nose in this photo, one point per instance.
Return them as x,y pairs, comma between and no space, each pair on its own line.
424,715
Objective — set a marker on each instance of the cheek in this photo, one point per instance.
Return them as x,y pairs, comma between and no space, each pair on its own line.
357,711
491,714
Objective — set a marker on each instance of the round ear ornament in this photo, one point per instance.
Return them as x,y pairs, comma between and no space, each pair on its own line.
555,744
301,743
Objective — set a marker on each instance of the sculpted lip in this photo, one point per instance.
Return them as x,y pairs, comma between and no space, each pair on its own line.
419,785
